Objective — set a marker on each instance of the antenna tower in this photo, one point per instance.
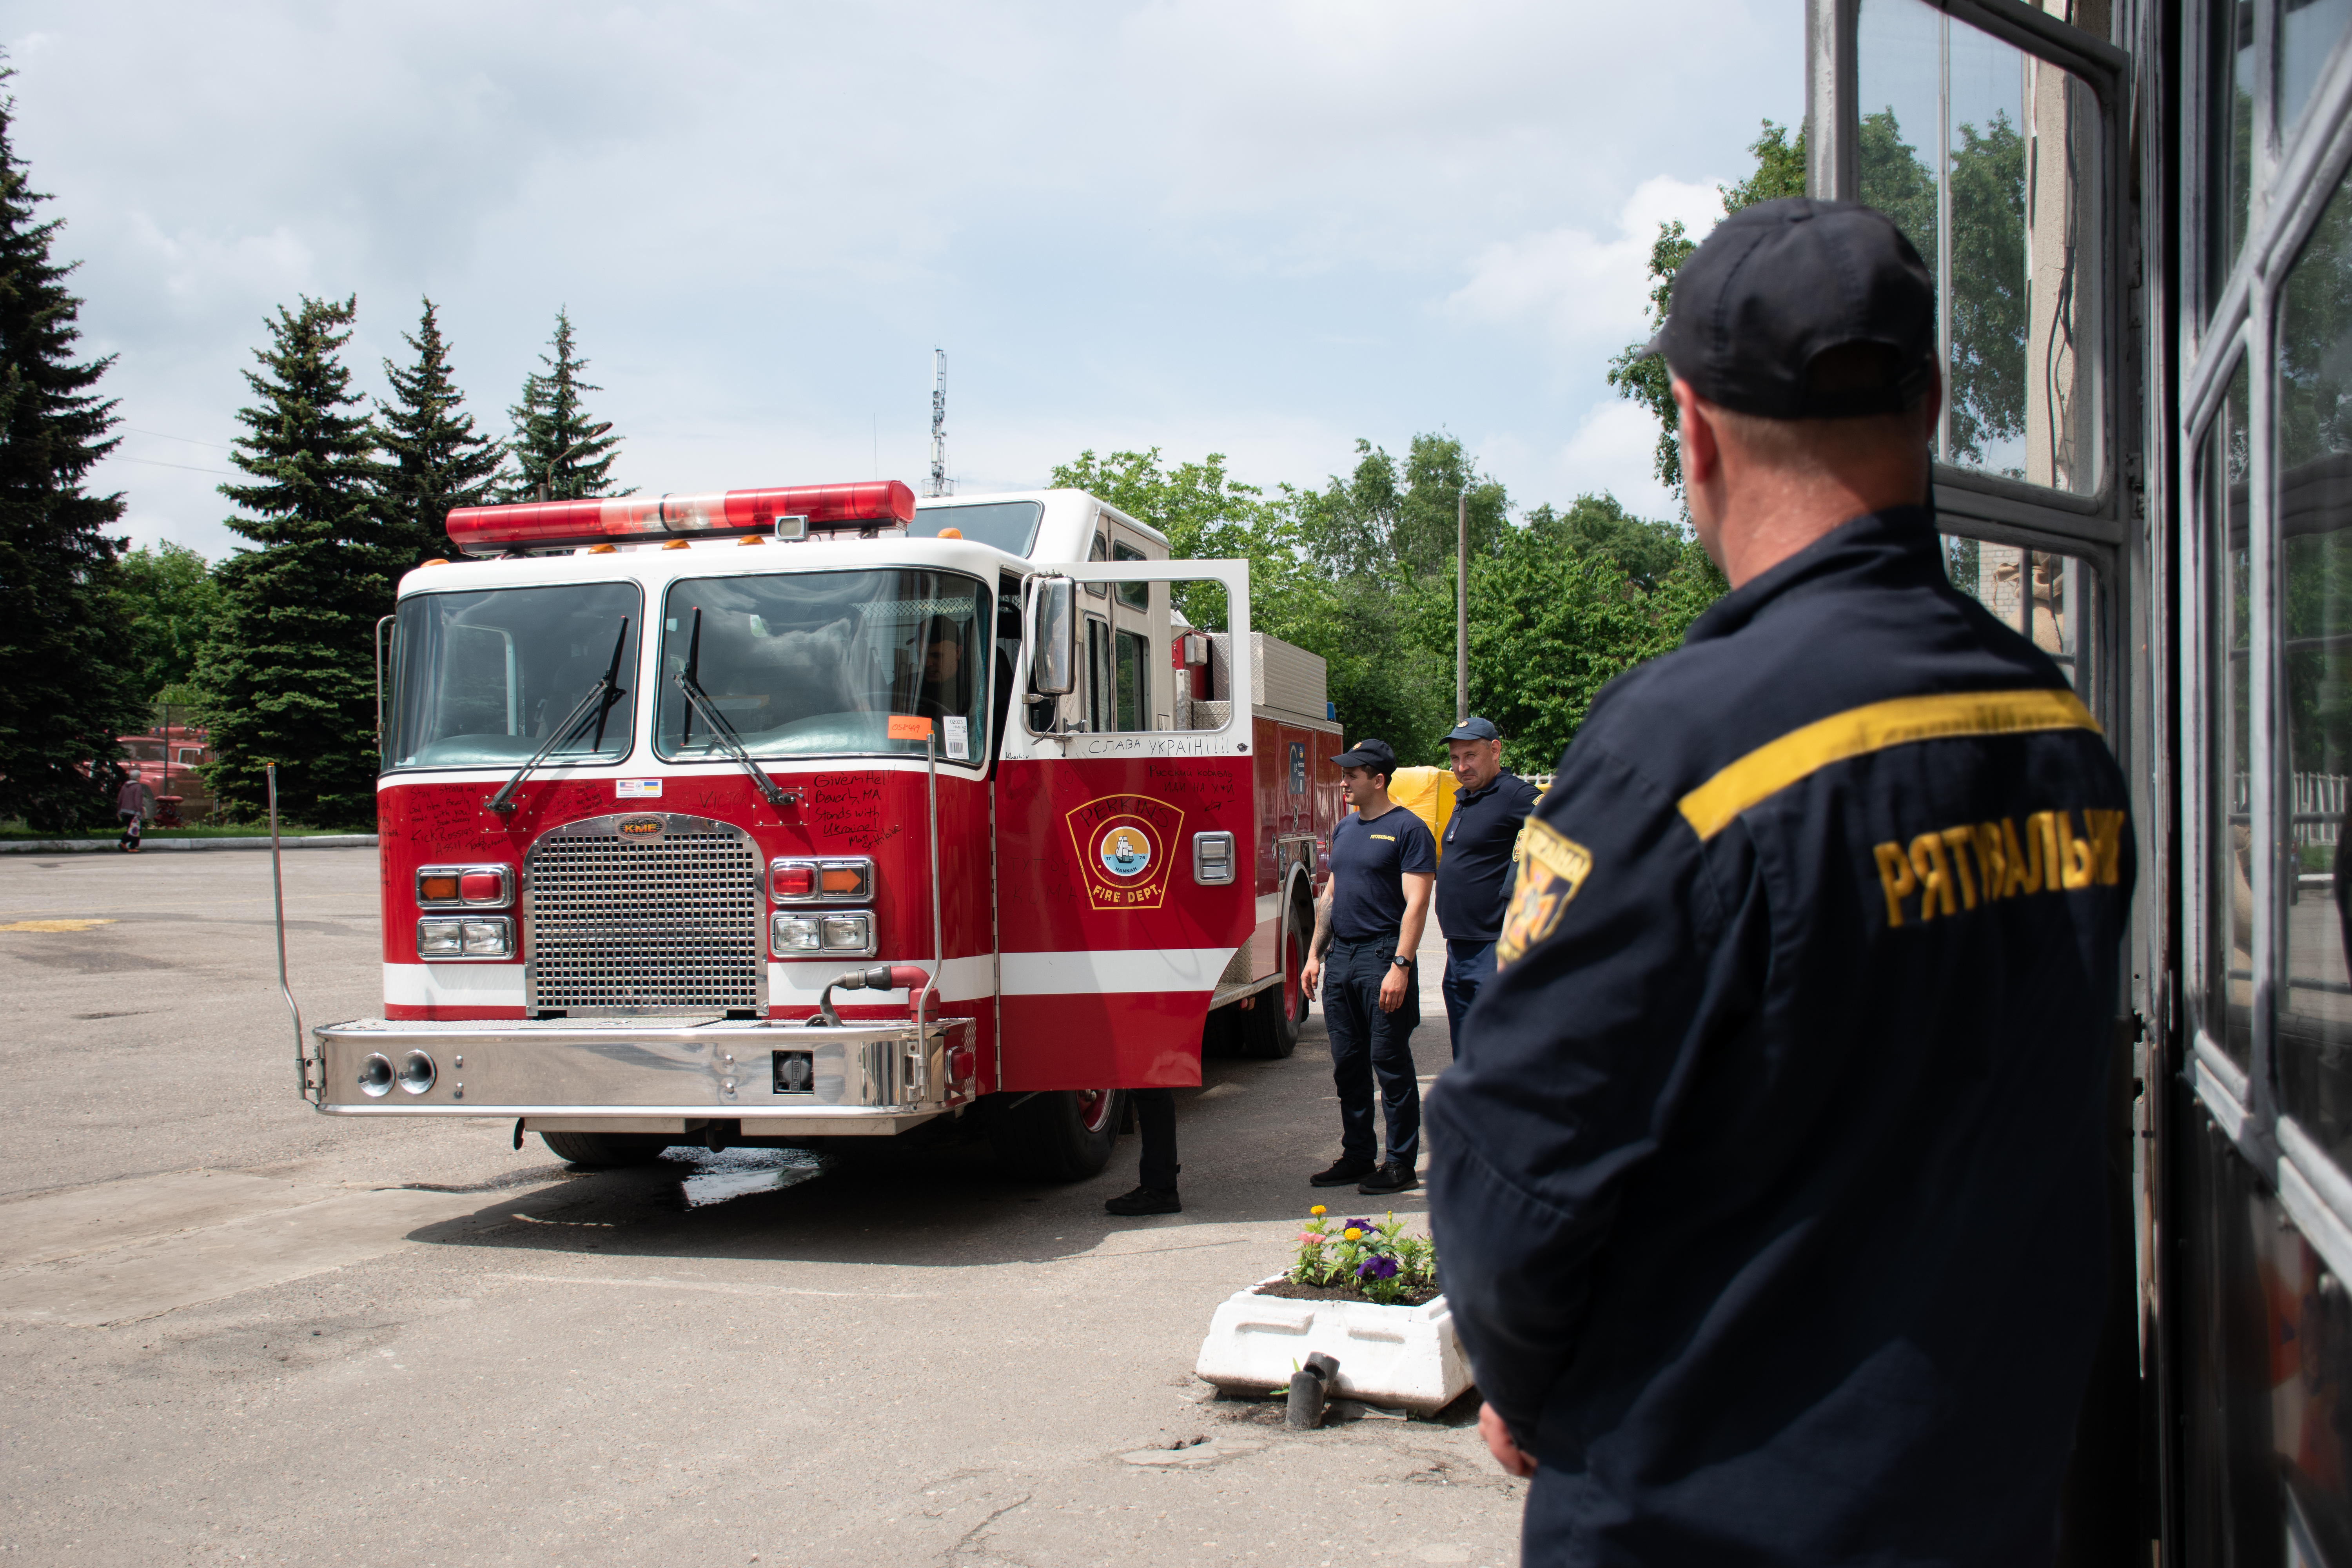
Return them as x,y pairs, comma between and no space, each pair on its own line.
941,484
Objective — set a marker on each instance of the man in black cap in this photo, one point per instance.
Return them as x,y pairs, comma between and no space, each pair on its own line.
1368,923
1769,1183
1474,873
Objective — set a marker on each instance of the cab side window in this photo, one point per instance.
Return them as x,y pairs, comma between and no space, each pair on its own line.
1134,595
1101,705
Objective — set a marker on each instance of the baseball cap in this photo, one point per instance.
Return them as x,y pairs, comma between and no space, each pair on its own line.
1474,729
1373,754
1777,284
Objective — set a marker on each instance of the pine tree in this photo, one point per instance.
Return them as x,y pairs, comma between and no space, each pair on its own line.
437,461
556,446
293,673
63,695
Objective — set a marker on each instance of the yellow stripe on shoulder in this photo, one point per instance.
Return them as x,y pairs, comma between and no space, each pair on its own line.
1858,732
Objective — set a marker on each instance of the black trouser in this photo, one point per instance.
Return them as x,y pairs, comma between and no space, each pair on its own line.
1468,966
131,822
1155,1117
1367,1043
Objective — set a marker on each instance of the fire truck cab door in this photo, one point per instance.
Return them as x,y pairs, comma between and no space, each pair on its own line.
1125,828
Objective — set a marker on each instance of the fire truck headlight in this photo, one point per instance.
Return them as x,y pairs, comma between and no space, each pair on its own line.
416,1072
849,933
794,934
492,938
375,1075
457,936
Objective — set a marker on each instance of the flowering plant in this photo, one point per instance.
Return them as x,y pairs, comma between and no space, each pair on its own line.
1379,1259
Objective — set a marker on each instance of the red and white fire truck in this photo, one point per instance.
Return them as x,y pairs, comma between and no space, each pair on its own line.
781,815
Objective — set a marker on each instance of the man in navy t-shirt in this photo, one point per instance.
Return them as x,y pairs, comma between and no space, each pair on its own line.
1481,850
1383,861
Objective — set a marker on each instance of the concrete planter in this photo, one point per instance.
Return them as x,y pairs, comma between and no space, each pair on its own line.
1406,1356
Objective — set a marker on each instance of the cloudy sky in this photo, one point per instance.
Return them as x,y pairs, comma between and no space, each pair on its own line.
1263,228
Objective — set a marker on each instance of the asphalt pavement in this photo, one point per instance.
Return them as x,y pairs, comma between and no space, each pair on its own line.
239,1330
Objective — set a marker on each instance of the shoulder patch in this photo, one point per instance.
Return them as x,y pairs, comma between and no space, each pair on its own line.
1552,868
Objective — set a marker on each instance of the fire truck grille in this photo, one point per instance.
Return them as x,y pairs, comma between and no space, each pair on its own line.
659,924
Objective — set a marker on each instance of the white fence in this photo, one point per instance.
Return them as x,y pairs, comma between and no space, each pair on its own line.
2316,814
2319,800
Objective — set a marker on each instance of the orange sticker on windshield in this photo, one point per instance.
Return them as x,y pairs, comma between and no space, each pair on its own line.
904,727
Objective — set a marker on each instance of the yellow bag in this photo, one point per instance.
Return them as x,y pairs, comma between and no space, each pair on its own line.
1428,793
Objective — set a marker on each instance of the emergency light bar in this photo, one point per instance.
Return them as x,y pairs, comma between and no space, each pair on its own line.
621,519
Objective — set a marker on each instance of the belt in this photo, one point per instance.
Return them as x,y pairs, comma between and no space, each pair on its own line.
1389,942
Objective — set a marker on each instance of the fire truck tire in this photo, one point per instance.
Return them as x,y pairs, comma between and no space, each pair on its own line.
1269,1030
1060,1135
602,1149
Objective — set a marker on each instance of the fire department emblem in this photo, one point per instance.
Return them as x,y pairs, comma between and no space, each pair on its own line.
1122,846
1126,852
1552,866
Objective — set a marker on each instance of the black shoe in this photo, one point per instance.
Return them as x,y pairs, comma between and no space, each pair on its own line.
1145,1200
1341,1173
1396,1176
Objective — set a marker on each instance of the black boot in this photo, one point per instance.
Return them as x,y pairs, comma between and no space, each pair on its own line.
1145,1200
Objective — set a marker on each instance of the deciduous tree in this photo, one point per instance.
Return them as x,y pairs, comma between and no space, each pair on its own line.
1207,515
1779,171
173,608
1550,626
1382,541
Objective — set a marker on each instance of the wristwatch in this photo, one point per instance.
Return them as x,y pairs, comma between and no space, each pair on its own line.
1399,962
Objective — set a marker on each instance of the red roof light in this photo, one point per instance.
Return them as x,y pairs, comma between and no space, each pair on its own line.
560,525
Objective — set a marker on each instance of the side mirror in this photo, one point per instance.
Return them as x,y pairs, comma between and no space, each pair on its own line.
1053,663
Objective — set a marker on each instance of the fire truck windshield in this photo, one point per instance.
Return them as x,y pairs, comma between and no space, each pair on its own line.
481,680
816,663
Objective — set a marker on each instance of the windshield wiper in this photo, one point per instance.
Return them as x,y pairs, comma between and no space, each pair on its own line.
609,689
689,686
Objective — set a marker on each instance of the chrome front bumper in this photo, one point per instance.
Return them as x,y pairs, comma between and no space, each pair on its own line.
778,1080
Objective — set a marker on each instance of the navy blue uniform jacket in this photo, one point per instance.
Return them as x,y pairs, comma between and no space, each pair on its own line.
1767,1188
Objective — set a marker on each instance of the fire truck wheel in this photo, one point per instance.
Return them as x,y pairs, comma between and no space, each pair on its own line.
1060,1135
1269,1030
600,1149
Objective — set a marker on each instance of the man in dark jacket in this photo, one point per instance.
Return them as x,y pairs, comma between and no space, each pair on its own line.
1767,1185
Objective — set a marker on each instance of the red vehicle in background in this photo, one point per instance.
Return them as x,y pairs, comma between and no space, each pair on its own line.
776,816
165,758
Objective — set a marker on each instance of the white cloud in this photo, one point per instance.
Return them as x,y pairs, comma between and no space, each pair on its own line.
1204,224
1581,287
1614,449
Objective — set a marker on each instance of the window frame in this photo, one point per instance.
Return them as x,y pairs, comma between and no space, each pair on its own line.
2295,171
2003,511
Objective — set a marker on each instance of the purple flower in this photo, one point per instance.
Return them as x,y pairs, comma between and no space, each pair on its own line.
1360,1224
1377,1269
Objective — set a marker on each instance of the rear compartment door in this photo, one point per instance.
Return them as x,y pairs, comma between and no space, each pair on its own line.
1116,912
